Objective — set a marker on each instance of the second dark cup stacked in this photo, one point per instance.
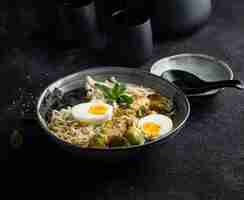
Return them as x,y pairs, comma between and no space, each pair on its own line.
130,36
128,31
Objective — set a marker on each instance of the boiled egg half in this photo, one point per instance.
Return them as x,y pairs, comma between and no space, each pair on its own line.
92,112
155,125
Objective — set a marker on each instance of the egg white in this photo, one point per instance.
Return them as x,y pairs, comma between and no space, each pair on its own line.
165,123
81,113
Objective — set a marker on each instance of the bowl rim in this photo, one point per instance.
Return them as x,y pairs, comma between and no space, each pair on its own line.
207,57
173,132
155,68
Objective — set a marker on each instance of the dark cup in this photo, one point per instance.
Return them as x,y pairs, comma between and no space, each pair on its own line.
79,23
179,16
131,37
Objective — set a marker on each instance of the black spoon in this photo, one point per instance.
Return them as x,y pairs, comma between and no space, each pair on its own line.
191,84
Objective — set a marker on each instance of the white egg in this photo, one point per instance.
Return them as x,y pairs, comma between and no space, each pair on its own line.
92,112
155,125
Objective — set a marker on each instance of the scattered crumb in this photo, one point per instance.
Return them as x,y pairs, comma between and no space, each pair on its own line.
24,103
25,100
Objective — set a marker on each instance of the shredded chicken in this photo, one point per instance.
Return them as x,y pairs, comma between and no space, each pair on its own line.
139,90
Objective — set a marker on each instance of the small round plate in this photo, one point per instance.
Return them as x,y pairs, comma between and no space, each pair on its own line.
205,67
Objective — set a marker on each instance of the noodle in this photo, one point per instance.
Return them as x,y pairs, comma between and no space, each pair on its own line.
68,129
65,127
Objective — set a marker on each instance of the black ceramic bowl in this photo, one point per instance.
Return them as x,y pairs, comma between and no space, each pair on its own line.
127,75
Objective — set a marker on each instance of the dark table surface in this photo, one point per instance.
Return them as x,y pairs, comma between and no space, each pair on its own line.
205,162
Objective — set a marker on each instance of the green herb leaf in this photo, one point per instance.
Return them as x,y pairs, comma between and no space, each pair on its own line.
106,91
117,93
125,99
116,90
122,88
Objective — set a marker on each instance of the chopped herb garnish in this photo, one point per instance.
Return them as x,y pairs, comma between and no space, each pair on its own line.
125,99
116,94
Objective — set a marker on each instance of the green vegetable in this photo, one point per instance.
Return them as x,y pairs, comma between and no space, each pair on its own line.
125,99
98,141
122,88
105,90
116,90
141,112
135,136
116,94
117,141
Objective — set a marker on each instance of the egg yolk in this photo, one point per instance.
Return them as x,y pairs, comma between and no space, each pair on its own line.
151,129
98,109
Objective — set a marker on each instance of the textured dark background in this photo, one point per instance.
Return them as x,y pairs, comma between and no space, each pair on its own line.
205,162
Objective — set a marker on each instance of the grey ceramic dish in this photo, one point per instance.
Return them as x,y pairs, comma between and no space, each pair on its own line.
205,67
127,75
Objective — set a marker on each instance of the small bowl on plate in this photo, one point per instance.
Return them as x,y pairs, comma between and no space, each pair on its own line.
126,75
205,67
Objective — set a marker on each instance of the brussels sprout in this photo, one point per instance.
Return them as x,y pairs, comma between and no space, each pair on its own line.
135,136
117,141
98,141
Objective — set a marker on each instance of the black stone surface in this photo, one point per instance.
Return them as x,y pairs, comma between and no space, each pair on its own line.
205,162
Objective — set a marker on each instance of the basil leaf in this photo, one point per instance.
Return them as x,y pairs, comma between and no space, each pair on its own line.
122,88
116,90
125,99
117,93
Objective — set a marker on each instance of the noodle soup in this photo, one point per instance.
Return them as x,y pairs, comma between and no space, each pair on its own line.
113,114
